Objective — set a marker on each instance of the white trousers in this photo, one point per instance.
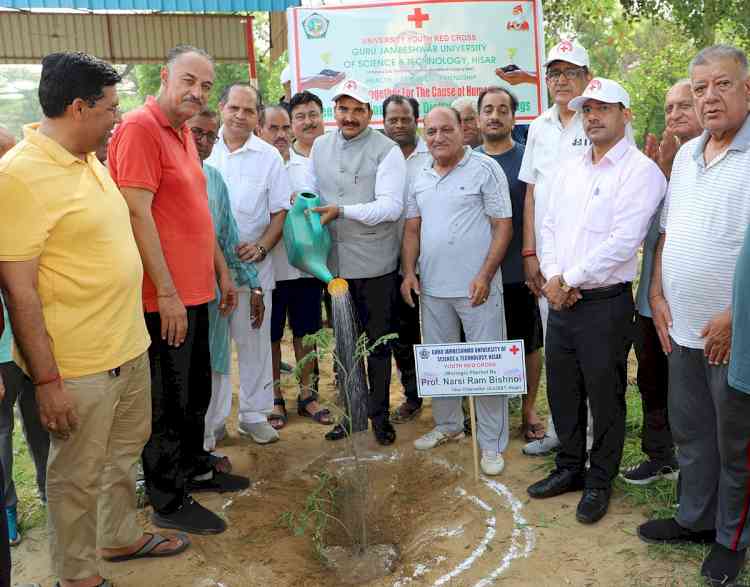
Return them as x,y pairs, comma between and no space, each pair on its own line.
218,409
442,319
256,373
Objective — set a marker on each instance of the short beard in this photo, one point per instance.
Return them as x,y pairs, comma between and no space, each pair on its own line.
497,136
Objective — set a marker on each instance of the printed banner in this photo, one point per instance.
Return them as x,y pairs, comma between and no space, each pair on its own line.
433,51
471,368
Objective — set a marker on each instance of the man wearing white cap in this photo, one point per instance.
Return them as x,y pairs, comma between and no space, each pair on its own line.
597,218
360,175
554,136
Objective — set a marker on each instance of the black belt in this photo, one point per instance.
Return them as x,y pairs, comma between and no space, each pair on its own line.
602,293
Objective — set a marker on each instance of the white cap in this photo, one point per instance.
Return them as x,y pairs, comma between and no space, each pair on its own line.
604,90
286,75
570,52
353,89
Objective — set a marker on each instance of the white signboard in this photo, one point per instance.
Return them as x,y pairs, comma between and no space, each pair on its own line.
471,368
434,51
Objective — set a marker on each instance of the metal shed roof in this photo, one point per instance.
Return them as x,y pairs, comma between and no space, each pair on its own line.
154,5
120,38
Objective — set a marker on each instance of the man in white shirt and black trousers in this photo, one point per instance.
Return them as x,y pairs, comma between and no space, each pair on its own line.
360,175
594,225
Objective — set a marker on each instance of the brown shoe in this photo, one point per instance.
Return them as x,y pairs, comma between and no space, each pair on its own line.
406,412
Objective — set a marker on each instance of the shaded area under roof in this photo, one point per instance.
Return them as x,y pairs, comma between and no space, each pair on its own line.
121,38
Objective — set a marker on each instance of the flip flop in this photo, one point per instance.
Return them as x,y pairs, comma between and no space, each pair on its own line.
148,550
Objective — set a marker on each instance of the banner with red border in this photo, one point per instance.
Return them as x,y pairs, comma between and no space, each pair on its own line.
435,51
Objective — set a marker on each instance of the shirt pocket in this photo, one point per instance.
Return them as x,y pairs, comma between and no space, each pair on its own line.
598,215
470,187
253,194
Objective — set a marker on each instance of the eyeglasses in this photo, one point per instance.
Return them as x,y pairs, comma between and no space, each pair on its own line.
569,74
200,134
300,116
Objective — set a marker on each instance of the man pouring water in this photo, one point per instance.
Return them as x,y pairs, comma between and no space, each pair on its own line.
360,175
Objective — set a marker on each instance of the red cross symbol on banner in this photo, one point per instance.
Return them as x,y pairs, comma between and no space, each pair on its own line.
514,349
418,18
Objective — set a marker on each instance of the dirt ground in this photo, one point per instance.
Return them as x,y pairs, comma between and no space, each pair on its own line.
449,529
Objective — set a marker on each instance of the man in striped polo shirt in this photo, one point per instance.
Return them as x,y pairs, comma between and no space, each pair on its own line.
703,223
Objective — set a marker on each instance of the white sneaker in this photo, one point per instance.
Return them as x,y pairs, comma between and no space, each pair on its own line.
434,438
492,462
540,447
260,432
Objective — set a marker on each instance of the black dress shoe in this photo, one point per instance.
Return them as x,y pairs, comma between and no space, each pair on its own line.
593,505
668,531
557,482
338,432
722,565
384,433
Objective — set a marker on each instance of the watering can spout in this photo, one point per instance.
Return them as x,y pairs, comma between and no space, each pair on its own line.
307,241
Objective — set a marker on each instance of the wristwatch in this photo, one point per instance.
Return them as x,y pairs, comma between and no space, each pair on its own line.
564,286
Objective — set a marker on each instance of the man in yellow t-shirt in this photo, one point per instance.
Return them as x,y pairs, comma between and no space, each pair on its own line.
71,275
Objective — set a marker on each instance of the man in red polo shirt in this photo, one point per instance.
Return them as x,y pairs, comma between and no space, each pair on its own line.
153,159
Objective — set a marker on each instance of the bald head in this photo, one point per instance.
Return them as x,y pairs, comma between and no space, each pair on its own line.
679,112
444,135
7,141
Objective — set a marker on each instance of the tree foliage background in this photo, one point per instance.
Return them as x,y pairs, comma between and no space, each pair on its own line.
645,44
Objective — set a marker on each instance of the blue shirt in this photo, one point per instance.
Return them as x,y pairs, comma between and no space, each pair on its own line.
244,274
739,358
510,161
6,340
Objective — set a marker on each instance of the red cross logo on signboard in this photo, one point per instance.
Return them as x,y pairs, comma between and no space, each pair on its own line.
514,349
418,18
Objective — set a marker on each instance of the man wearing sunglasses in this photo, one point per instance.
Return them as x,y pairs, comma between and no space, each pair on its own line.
554,136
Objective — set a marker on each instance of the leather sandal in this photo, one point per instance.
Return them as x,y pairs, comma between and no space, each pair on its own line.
322,416
278,421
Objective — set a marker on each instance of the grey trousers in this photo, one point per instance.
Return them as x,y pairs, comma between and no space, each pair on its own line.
442,319
710,426
19,389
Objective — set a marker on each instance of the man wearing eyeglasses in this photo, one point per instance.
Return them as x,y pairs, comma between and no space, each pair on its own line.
204,127
553,137
297,295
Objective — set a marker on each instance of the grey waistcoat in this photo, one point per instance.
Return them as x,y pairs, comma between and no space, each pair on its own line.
345,172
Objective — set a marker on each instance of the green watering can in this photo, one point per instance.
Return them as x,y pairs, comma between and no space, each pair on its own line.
307,241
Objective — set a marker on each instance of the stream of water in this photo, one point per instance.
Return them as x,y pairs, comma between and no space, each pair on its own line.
353,394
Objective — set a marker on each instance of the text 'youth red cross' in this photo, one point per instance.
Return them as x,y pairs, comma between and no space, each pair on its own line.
418,18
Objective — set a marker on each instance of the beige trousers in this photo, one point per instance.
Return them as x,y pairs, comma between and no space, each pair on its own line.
91,476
